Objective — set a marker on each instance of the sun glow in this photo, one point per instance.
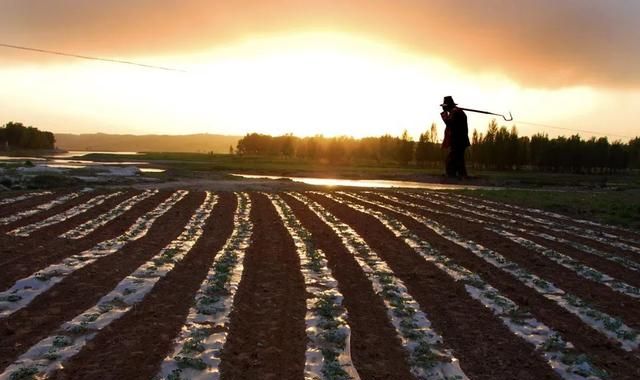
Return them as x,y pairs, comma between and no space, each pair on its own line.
303,83
315,84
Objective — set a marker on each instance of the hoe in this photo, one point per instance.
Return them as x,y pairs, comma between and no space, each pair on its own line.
510,118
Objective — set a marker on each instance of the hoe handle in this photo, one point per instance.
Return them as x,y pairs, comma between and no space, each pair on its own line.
489,113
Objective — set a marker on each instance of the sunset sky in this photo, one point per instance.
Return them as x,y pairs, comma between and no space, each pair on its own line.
321,67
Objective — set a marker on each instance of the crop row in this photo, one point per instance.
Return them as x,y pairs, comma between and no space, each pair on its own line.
198,348
610,326
25,290
48,354
560,354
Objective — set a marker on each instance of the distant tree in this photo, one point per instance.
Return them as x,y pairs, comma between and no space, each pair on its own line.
17,136
618,157
422,149
3,139
512,148
500,148
336,150
427,150
634,153
404,153
255,144
288,145
523,152
231,149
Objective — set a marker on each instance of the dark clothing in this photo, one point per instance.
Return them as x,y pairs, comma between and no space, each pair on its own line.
457,129
455,165
456,138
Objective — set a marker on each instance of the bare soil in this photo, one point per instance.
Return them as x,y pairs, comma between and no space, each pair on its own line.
25,256
375,347
605,353
483,343
83,288
600,296
267,337
135,345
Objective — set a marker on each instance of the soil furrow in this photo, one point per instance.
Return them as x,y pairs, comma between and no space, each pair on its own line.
6,199
601,246
605,354
375,348
613,269
485,346
47,234
84,287
547,229
135,345
35,252
267,337
8,241
81,198
30,203
597,262
568,220
599,295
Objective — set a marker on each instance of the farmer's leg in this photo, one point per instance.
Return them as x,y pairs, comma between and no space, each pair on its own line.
454,166
450,164
462,167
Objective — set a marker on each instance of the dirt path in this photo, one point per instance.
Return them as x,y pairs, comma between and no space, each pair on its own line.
600,296
375,347
267,337
31,254
135,345
483,343
604,353
83,288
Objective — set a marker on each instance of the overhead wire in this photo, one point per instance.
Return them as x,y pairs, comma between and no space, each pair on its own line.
569,129
80,56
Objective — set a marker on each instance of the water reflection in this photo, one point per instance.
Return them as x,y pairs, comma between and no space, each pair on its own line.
73,160
366,183
80,153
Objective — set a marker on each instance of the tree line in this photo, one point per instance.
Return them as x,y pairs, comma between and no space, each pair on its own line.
17,136
499,148
334,150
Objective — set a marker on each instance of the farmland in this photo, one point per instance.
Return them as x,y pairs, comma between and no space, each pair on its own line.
177,284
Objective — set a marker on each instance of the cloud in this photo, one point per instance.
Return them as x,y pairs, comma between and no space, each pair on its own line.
540,43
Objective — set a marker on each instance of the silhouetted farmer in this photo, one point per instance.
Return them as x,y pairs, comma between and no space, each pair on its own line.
456,137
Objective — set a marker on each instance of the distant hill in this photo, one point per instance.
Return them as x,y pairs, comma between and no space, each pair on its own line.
147,143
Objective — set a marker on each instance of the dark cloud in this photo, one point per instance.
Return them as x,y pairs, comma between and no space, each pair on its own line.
546,43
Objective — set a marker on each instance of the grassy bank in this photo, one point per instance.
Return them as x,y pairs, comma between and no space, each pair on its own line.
269,165
184,164
621,207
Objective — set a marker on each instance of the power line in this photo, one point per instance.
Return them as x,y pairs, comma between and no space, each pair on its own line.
571,129
53,52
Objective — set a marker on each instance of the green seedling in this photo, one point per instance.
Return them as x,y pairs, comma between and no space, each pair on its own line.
24,373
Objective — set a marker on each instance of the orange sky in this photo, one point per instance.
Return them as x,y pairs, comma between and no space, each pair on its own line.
356,67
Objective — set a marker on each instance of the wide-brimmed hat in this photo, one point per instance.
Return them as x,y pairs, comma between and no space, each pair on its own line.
448,101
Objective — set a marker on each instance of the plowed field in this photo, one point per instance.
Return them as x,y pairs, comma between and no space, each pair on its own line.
311,285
